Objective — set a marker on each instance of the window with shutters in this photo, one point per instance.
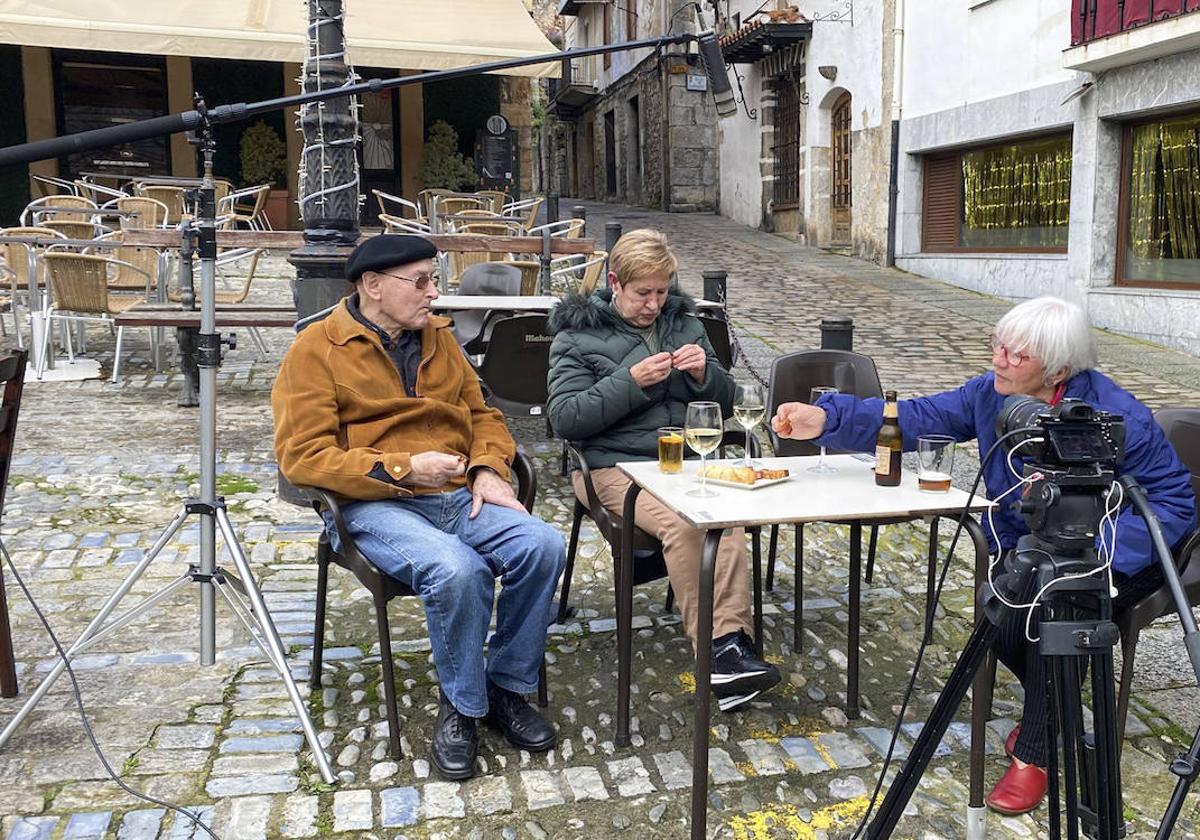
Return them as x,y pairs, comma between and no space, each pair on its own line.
787,142
1007,197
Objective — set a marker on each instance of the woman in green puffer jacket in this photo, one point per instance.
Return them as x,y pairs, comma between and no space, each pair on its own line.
626,361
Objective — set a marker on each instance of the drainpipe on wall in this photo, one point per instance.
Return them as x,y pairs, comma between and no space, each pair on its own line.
897,110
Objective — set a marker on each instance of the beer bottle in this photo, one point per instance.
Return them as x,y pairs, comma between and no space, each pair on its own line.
888,444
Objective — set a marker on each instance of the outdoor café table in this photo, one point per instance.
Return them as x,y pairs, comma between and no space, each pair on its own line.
510,303
849,495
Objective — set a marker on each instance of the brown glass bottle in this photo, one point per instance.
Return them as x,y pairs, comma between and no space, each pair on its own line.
888,444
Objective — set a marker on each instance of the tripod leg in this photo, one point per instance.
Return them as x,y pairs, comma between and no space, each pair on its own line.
97,628
905,783
1109,810
271,636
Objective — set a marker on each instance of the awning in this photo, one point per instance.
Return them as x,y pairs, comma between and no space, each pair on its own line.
400,34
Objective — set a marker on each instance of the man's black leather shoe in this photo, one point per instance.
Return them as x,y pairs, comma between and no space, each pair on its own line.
520,723
455,742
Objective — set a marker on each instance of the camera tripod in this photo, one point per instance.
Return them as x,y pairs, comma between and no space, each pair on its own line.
1076,625
240,591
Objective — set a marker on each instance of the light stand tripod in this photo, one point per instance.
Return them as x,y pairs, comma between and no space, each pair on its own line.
240,592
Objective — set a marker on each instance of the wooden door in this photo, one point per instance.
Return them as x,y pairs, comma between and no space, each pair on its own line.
841,186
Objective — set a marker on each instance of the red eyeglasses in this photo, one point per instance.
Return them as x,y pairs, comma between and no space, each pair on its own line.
1013,359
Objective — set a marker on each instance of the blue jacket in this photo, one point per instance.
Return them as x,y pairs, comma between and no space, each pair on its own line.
969,412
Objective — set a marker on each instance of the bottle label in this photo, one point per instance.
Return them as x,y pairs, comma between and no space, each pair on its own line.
883,460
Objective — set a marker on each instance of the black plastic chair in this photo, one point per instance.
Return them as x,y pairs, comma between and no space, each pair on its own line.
472,327
516,364
12,374
648,562
1182,426
717,330
384,588
793,376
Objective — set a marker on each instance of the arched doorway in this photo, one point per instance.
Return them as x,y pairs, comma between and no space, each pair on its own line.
840,188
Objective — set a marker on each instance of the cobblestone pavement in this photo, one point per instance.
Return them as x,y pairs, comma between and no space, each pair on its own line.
101,469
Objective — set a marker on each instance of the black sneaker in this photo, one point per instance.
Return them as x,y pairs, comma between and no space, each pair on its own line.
732,701
737,670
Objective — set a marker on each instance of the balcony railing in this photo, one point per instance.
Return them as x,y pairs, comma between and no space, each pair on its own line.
1095,19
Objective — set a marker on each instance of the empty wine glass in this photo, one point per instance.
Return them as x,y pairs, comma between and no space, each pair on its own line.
821,467
749,409
702,431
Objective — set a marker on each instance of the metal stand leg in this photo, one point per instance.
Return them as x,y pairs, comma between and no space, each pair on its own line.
625,613
852,642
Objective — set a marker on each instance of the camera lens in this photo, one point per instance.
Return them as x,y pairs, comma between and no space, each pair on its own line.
1019,412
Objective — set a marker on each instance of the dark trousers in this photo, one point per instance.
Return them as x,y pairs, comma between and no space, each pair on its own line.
1022,658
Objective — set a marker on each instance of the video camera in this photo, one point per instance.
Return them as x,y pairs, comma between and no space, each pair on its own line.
1074,451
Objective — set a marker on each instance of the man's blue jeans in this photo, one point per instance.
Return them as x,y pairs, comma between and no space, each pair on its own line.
428,543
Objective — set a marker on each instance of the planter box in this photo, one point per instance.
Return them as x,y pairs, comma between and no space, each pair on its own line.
276,209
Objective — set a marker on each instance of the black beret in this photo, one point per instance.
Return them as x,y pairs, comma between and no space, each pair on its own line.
385,251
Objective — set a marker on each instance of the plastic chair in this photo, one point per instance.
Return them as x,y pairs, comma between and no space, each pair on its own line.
457,262
48,185
397,207
472,327
565,228
580,271
16,258
12,374
30,217
151,213
525,210
649,564
396,224
483,227
173,198
515,365
97,192
1182,426
74,229
717,332
498,198
246,207
425,200
81,293
531,274
384,588
793,376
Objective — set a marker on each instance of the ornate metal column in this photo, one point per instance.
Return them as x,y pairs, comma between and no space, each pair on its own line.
328,184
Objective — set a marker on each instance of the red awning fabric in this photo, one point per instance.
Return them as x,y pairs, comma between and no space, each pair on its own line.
1104,17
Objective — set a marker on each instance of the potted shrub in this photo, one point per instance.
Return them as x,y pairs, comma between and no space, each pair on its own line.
443,166
264,161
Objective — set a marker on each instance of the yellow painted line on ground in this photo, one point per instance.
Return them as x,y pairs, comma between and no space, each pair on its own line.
767,823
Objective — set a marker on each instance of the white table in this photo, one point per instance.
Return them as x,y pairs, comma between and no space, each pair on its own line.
849,495
510,303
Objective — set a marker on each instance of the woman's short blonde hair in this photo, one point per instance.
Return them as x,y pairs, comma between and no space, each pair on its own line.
1052,330
641,253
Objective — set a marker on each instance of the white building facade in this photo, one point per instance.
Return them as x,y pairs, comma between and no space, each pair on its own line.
1053,147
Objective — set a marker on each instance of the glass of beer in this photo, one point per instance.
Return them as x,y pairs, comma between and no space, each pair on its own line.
670,449
935,463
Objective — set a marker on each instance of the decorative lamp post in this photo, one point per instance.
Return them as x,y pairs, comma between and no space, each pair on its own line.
328,184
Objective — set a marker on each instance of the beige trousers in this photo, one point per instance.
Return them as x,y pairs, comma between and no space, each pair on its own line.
682,545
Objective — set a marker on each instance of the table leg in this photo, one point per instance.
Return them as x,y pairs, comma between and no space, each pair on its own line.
852,631
624,574
701,722
931,577
758,606
981,697
798,596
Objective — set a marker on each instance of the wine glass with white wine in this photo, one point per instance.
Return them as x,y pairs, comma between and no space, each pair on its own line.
821,467
749,409
702,431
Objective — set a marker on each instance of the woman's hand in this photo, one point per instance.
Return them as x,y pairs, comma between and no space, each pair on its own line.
692,359
798,421
651,370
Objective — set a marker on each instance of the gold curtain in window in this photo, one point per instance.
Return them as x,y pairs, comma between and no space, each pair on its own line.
1025,185
1164,190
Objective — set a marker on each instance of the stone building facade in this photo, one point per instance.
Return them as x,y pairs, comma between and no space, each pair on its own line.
635,127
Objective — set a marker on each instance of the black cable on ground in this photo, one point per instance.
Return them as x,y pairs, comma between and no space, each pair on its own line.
87,727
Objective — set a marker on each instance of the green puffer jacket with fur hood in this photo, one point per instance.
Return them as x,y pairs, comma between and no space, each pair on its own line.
594,401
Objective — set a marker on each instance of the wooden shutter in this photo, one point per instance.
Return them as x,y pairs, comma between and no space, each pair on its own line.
942,202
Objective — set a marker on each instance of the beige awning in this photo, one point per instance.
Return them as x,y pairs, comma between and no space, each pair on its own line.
399,34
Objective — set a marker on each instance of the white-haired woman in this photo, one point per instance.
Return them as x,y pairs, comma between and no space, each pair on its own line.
1041,348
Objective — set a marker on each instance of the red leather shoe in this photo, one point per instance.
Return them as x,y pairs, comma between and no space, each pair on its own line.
1010,743
1019,791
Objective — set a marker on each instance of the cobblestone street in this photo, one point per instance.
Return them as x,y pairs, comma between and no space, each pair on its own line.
101,469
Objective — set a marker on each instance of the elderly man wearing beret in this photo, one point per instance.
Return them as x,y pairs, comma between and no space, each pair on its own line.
378,403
